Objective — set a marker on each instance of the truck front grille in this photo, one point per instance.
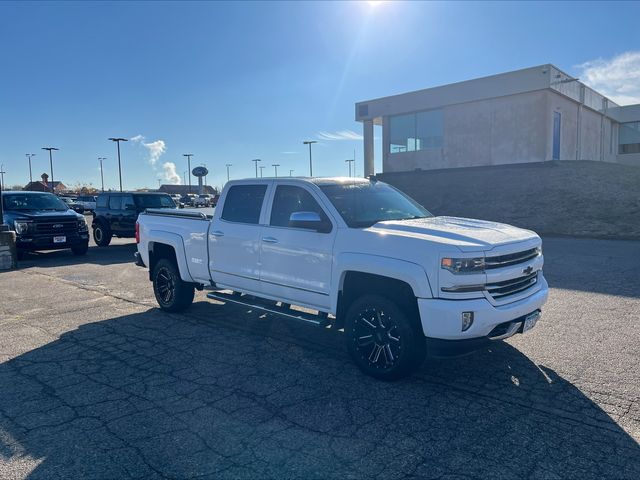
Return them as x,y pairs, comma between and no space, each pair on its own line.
499,290
57,227
510,259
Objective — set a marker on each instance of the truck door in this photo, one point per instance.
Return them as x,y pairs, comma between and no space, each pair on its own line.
234,238
296,259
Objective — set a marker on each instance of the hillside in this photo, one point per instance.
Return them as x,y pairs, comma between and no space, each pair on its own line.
578,198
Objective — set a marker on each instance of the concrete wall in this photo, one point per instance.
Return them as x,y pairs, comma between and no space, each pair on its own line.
501,130
579,198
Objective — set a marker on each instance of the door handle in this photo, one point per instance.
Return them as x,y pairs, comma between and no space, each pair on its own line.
217,233
269,240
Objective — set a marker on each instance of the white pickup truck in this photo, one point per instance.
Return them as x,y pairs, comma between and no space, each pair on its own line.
353,254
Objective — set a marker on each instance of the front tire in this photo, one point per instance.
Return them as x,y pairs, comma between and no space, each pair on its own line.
382,340
102,235
172,293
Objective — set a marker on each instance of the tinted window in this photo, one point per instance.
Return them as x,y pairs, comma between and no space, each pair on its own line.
102,202
114,203
30,201
127,201
243,203
155,201
289,199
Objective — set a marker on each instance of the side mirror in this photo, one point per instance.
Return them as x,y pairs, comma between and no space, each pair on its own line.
309,221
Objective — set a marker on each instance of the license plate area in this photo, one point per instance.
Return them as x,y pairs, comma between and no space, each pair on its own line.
530,321
60,239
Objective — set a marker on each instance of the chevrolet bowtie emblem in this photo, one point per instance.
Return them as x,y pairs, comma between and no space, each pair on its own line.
528,270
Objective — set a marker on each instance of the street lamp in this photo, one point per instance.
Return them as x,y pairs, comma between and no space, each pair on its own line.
51,165
100,159
349,161
275,166
228,165
189,155
2,172
256,160
29,155
118,140
310,142
291,172
261,168
3,227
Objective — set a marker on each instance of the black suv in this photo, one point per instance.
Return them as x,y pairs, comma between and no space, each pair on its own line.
116,213
44,222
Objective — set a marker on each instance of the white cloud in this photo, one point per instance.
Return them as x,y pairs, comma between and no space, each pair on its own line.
340,135
289,153
617,78
155,149
170,174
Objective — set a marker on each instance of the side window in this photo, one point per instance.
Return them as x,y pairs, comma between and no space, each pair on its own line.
127,201
102,202
243,203
289,199
114,202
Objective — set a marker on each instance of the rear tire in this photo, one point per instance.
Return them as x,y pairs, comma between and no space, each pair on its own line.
102,235
382,340
172,293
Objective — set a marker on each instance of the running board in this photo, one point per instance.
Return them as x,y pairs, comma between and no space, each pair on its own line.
317,320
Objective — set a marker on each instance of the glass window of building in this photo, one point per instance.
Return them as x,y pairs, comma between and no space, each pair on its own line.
402,133
429,129
629,137
416,131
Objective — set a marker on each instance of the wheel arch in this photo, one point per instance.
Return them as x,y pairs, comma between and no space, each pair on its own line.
168,245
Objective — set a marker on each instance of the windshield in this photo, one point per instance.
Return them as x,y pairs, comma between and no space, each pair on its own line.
364,204
24,201
155,201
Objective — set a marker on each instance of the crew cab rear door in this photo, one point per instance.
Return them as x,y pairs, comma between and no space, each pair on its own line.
234,237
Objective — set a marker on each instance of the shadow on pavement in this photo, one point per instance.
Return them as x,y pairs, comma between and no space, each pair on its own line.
156,395
113,254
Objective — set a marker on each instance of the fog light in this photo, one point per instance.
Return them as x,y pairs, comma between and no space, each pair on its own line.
467,320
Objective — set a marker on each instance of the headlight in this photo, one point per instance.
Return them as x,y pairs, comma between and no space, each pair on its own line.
539,250
82,224
21,227
463,265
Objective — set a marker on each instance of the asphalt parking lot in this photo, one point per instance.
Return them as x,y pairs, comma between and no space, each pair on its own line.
96,382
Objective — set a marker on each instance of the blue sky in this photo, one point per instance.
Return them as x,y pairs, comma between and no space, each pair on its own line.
231,82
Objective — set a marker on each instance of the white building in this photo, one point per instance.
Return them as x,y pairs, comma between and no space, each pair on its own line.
530,115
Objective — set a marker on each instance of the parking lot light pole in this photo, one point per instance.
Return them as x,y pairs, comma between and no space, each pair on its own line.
291,172
188,155
2,172
261,168
50,149
275,166
29,155
3,227
310,142
256,160
118,140
100,159
228,165
349,161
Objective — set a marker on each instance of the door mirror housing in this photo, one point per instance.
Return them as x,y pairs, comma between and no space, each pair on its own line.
309,221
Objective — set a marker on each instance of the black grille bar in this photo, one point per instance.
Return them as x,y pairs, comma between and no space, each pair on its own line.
510,259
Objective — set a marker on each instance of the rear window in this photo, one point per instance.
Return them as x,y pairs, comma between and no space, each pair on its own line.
243,203
154,201
114,203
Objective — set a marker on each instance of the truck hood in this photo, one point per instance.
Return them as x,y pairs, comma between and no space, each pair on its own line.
42,214
464,233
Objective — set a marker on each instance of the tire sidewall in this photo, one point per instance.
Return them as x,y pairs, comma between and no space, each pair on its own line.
183,293
103,238
412,341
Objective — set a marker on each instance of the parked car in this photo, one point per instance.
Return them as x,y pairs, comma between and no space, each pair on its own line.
73,204
44,222
88,202
177,198
116,213
187,200
398,280
203,200
215,199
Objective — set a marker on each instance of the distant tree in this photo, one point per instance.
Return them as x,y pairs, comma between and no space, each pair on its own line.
14,187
